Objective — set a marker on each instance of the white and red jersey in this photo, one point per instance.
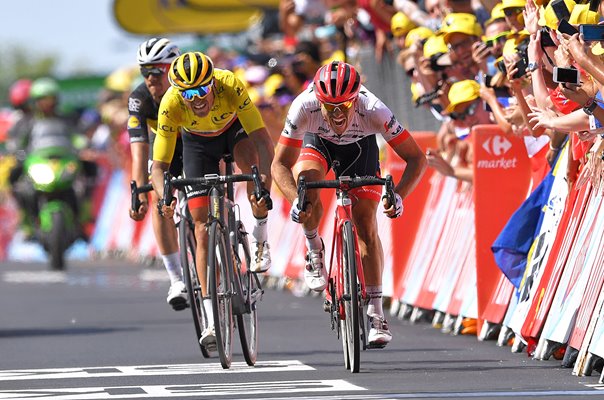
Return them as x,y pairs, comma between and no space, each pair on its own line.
370,117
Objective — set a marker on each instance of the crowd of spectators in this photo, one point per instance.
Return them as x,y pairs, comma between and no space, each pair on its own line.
469,62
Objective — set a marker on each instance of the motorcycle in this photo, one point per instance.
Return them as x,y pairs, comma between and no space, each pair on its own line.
52,173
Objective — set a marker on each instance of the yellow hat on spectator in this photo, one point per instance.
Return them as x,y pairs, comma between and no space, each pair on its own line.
462,92
597,49
496,14
513,4
509,47
460,23
435,44
414,92
400,24
121,79
417,34
582,15
547,15
272,83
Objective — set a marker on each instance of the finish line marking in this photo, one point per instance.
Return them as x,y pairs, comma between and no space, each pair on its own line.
149,370
206,390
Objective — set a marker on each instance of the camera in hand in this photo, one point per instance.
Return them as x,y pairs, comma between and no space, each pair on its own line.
566,75
560,9
592,33
565,27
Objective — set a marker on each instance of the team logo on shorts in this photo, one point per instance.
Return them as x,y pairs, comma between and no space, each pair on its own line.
133,122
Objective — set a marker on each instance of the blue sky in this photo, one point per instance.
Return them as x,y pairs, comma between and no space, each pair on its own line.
81,33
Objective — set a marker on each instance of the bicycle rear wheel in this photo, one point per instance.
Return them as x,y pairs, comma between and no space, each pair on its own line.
247,322
221,293
351,298
188,245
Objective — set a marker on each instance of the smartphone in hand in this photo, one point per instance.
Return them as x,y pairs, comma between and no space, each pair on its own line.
567,75
592,33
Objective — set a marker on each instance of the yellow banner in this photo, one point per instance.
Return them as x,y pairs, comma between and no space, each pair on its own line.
150,17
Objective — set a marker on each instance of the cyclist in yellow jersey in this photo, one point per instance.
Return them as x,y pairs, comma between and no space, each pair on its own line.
214,114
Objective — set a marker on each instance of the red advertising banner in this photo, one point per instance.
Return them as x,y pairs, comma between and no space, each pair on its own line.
502,175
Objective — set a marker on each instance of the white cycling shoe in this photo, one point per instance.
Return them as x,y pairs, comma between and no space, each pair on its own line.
177,296
262,257
379,334
208,338
315,274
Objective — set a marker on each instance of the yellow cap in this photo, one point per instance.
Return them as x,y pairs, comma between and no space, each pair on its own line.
509,47
414,92
417,34
121,79
582,15
434,45
462,92
400,24
460,23
547,15
597,49
496,14
272,83
513,4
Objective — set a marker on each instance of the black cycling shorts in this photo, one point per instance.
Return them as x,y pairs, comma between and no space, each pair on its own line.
361,158
202,155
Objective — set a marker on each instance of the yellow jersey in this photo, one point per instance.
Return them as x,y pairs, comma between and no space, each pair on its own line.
231,102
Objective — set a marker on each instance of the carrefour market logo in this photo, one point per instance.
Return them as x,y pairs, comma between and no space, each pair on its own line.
497,146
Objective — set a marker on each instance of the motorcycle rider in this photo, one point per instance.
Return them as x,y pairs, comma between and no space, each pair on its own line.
45,128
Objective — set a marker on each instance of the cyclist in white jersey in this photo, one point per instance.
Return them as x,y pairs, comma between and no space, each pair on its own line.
337,118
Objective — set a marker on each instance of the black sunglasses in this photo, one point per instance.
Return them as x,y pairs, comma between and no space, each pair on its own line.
410,72
509,12
148,71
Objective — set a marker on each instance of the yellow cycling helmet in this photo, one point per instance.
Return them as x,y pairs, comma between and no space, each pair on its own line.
191,70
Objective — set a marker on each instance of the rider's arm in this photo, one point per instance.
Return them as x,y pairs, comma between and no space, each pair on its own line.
164,144
403,144
252,122
286,155
416,161
288,149
138,107
266,152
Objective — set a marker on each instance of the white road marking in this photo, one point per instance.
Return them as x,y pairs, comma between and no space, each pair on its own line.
149,370
205,390
35,276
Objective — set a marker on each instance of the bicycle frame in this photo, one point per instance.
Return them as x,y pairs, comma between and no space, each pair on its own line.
343,213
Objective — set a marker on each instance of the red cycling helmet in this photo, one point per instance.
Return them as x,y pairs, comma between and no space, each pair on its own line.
337,82
18,93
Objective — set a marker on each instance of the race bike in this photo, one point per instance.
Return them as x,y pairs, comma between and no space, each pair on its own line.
52,176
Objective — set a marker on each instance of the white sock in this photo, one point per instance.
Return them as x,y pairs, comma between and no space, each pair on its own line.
172,264
313,240
374,308
207,305
259,232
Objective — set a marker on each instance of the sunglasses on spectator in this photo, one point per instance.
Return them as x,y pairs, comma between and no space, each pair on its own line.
500,38
510,12
464,43
410,72
200,91
331,108
460,116
153,70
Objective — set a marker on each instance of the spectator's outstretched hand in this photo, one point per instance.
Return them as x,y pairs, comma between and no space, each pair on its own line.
531,17
542,118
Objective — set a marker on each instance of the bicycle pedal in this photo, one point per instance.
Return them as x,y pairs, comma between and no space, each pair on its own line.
376,345
327,306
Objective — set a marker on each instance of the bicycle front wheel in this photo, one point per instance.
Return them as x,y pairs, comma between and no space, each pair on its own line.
221,293
188,245
247,322
351,298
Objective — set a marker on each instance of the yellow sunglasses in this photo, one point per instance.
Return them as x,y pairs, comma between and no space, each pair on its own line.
331,108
